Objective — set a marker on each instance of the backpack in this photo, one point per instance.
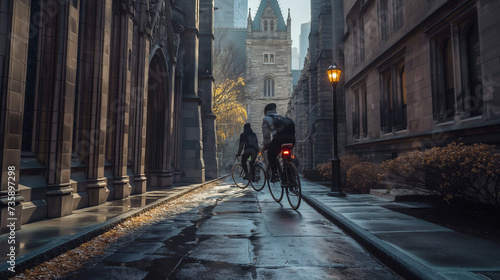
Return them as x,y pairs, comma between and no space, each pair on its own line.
283,124
252,141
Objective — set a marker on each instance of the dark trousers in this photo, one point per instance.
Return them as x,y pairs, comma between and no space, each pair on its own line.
248,153
275,148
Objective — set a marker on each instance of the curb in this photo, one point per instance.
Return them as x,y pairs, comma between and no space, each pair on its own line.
54,249
393,258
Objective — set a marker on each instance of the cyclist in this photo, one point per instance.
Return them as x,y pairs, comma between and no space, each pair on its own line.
276,130
249,145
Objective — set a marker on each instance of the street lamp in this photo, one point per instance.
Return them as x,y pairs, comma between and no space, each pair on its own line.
334,76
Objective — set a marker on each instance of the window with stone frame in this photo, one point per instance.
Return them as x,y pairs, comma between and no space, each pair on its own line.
393,103
271,24
472,97
391,18
456,71
269,58
360,112
383,11
265,26
355,41
268,87
397,14
361,27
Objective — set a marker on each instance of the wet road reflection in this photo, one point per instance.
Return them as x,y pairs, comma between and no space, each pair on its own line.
229,233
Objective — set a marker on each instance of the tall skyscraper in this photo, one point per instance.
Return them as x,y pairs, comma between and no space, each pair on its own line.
231,14
305,28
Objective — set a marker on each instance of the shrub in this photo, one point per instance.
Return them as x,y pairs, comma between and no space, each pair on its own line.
325,169
356,175
455,172
346,163
362,177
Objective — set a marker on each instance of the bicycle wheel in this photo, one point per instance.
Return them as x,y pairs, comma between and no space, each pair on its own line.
259,178
238,174
274,188
293,190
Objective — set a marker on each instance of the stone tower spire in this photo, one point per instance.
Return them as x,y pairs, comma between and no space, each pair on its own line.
289,25
249,20
268,62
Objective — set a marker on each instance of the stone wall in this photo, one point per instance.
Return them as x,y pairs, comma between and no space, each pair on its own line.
413,45
279,44
101,101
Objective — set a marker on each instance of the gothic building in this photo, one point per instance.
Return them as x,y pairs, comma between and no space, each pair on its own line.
312,98
101,100
421,74
416,74
268,62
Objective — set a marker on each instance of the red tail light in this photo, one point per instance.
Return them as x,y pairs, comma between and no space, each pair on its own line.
286,152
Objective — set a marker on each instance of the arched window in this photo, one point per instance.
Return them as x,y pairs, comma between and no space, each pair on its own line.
272,26
265,26
268,87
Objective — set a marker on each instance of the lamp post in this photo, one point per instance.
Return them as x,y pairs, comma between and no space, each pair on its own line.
334,76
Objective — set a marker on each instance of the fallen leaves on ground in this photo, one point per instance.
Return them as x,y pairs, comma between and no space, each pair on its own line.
75,259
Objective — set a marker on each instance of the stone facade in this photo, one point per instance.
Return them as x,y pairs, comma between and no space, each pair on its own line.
268,65
312,98
416,74
101,100
421,74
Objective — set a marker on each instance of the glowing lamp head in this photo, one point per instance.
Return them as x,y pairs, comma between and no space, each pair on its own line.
286,152
333,74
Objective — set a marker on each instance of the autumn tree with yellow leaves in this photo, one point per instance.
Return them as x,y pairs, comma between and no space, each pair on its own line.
229,100
229,109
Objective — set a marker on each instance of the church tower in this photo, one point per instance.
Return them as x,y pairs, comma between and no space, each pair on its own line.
268,65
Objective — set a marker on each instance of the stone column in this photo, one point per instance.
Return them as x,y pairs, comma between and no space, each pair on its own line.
206,86
14,33
139,97
95,89
119,106
57,99
193,165
177,131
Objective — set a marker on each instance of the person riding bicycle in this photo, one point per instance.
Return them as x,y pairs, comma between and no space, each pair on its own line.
276,130
249,145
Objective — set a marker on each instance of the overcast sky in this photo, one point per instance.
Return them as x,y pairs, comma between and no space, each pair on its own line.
300,12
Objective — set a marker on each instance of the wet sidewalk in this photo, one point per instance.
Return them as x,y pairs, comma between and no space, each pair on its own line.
414,248
45,239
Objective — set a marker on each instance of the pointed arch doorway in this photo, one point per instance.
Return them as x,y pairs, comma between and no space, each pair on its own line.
158,119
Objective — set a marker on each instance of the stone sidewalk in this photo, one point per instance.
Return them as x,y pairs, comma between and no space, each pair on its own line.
413,248
43,240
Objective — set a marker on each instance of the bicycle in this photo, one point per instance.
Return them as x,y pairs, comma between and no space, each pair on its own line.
257,180
289,179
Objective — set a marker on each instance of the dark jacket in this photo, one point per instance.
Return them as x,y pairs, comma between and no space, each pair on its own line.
248,140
